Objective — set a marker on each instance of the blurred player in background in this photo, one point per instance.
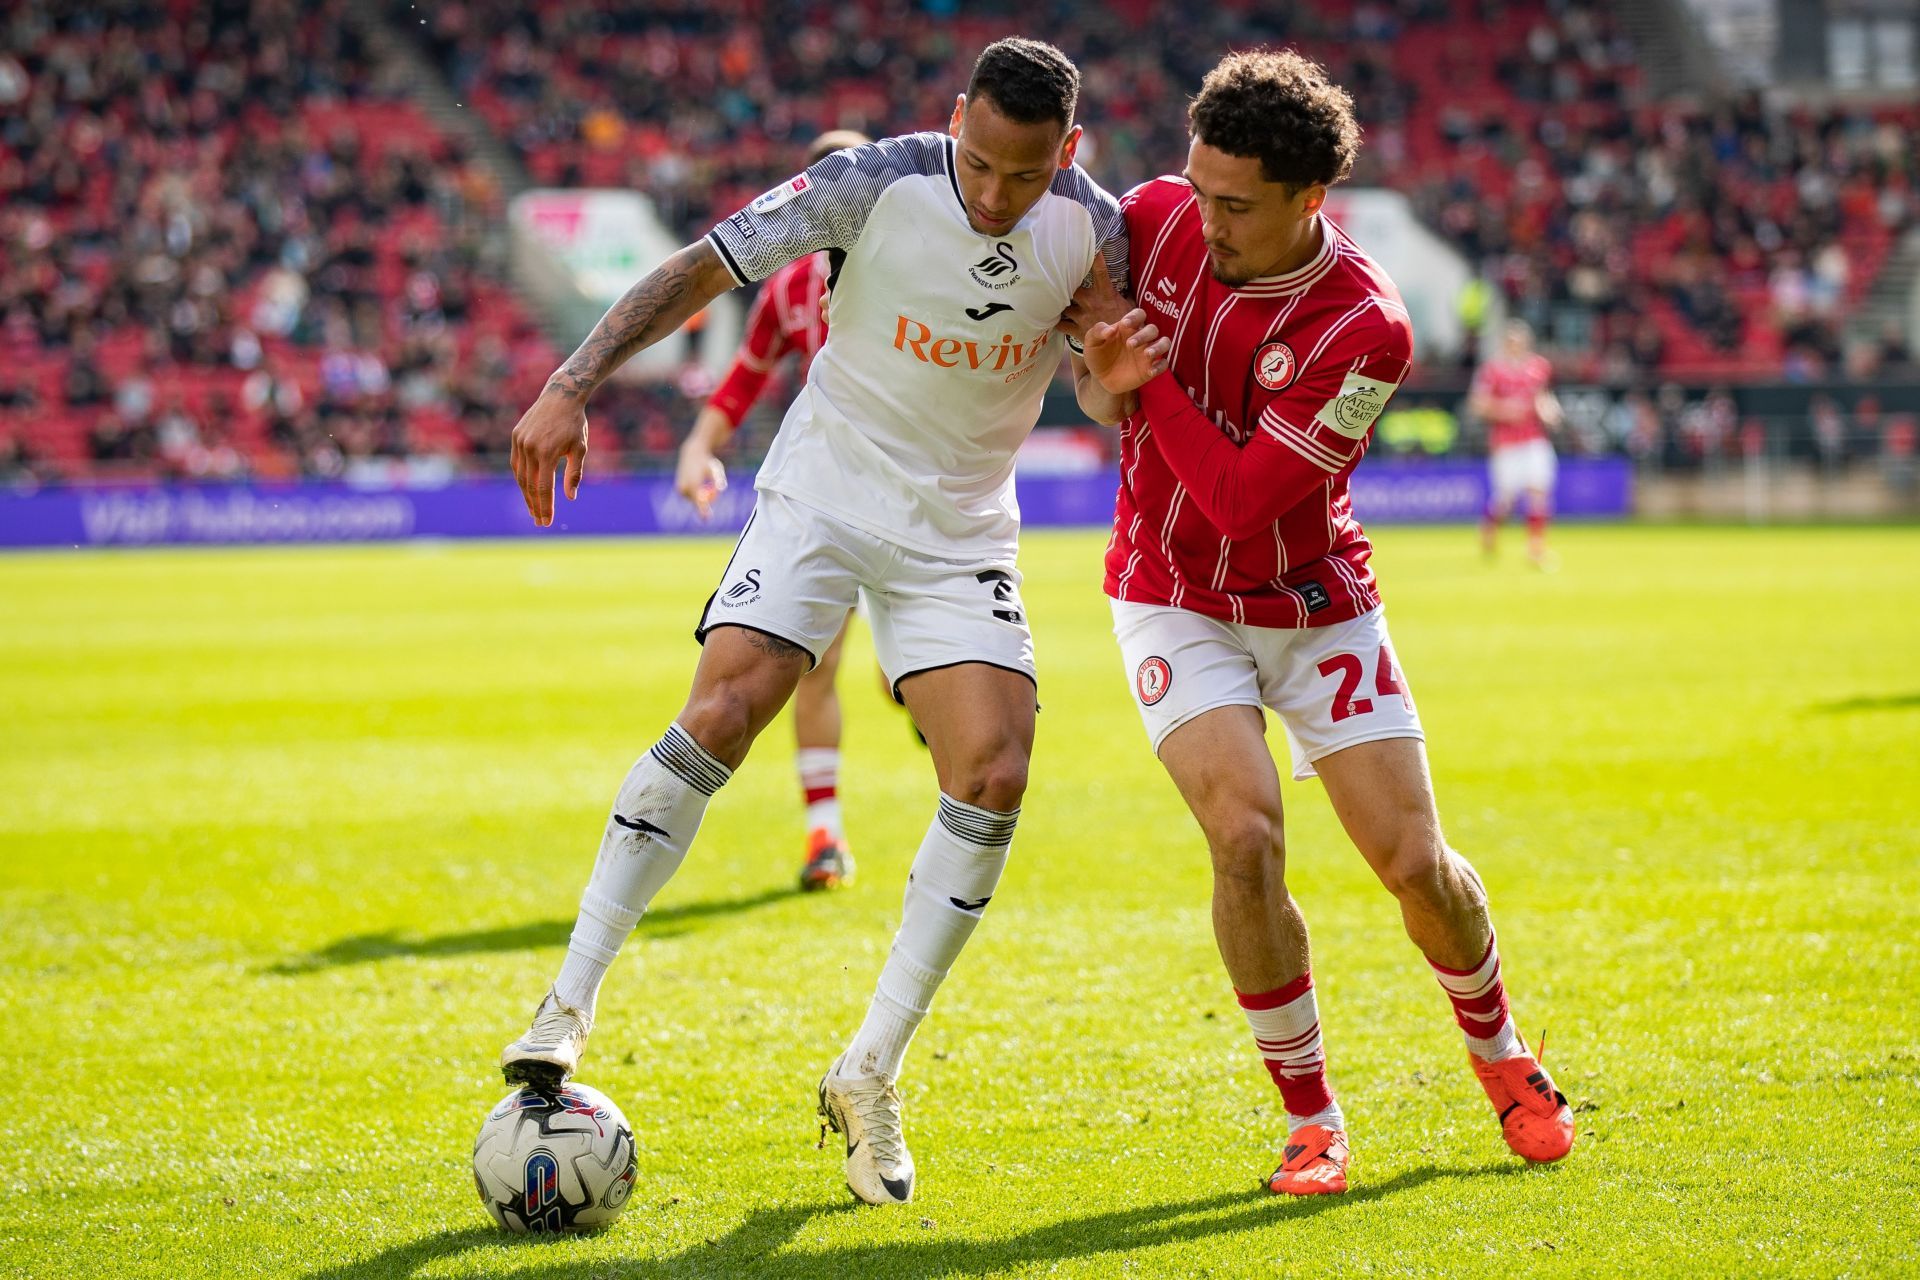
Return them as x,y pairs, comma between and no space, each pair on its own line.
891,481
1510,394
1239,576
789,317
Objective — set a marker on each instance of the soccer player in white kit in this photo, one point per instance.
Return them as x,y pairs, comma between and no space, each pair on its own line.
891,479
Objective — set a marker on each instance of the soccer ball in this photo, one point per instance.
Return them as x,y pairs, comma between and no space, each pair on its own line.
558,1160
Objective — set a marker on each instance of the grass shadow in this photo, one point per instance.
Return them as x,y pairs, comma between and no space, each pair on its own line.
1869,702
365,948
756,1245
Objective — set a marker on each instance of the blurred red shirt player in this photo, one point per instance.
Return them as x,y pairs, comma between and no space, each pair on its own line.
1510,393
1246,383
788,318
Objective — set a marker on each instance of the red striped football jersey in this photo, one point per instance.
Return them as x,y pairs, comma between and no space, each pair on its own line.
1233,472
785,317
1514,386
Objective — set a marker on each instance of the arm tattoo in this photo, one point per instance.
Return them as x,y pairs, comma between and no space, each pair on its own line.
646,313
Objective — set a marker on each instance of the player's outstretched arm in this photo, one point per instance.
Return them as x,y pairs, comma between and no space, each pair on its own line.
556,426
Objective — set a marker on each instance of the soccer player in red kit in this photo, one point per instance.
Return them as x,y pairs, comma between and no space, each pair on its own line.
1510,393
788,318
1239,575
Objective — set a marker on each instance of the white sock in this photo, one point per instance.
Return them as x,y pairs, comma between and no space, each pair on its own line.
819,770
1479,999
1331,1118
953,878
654,818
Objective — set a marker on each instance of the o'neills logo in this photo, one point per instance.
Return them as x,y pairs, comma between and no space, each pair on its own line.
1008,355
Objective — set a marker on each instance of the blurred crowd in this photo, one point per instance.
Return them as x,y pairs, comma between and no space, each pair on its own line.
1638,239
231,245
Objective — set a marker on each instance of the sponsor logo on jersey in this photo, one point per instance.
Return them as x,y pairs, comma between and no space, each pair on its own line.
1153,679
745,591
989,311
998,270
1160,297
781,194
1011,356
1315,595
1159,302
1274,366
743,224
1360,402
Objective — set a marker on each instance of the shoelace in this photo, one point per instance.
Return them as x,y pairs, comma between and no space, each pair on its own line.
880,1109
556,1023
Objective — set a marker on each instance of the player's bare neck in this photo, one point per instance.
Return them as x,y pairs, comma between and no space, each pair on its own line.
1305,250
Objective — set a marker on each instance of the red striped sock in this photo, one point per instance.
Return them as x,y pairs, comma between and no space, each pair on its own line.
1480,1006
819,770
1286,1027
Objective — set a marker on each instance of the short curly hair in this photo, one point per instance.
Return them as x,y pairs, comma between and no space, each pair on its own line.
1031,82
1279,107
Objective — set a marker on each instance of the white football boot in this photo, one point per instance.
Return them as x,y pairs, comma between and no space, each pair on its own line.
867,1111
551,1049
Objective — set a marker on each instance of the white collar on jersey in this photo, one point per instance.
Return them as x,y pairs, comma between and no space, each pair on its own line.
1297,281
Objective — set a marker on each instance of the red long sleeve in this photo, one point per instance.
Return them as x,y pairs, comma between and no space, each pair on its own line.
753,363
1242,489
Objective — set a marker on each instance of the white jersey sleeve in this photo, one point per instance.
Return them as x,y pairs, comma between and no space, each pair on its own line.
824,207
1109,223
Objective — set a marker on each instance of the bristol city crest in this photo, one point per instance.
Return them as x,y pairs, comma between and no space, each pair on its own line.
1153,680
1274,366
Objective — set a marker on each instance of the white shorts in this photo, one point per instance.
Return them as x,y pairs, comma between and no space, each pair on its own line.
796,571
1520,467
1332,687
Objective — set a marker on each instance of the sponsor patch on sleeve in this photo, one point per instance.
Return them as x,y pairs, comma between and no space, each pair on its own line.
1353,411
781,194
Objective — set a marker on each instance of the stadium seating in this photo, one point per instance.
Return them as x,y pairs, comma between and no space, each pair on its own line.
231,249
1721,241
231,246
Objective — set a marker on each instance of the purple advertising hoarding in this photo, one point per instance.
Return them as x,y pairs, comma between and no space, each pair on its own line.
1383,492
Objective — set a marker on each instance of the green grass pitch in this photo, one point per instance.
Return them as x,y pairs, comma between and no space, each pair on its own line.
291,842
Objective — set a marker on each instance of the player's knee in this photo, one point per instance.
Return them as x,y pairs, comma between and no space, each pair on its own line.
1418,870
1248,849
996,779
723,719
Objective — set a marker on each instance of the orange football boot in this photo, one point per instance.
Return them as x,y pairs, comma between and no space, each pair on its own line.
1534,1115
829,862
1316,1163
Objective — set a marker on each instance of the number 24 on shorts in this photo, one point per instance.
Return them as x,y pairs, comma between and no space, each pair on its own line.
1386,682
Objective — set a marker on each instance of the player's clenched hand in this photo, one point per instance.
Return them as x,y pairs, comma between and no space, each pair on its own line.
553,429
1127,354
699,476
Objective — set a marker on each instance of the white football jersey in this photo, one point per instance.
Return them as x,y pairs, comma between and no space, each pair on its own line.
940,340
